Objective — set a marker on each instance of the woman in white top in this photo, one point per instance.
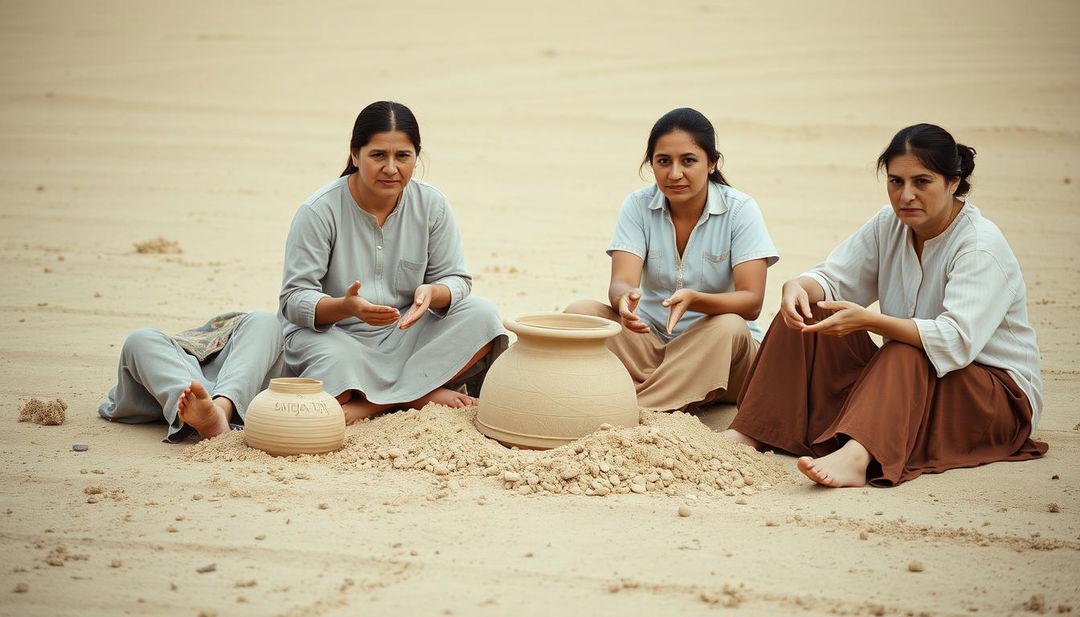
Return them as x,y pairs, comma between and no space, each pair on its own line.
375,291
956,383
688,262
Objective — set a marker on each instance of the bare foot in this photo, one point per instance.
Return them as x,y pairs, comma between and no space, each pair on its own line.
359,408
738,437
845,467
443,396
208,416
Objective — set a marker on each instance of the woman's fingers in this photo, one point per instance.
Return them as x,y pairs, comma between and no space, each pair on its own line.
804,306
353,289
676,308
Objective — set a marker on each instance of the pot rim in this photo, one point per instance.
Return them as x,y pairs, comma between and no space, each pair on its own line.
588,327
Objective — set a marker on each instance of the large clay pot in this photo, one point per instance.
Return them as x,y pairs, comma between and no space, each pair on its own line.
557,383
294,416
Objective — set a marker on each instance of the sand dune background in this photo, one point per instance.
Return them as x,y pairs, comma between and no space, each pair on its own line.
208,123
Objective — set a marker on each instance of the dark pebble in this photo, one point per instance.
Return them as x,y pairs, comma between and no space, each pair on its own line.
80,447
207,568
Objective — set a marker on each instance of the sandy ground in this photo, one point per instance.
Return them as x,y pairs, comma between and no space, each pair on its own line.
208,123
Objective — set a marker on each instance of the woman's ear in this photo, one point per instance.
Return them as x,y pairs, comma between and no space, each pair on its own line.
953,183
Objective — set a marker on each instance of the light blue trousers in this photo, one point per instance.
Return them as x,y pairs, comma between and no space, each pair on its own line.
154,370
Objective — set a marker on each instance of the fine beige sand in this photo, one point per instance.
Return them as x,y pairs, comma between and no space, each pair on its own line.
201,126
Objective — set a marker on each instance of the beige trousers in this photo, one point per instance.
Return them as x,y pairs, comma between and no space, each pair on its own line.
705,364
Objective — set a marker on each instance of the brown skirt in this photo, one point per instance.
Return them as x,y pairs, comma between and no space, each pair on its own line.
807,394
706,363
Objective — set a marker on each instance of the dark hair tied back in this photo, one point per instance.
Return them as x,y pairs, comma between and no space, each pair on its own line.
381,117
936,150
700,130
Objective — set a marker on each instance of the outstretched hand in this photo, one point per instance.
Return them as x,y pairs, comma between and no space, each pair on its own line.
628,303
849,317
374,314
677,305
421,301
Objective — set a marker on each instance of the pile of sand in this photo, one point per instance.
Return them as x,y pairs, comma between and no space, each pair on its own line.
159,246
669,453
52,413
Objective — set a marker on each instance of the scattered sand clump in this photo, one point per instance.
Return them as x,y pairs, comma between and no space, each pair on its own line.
670,453
159,246
50,413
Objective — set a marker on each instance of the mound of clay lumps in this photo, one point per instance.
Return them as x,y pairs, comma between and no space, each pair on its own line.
53,412
669,453
158,246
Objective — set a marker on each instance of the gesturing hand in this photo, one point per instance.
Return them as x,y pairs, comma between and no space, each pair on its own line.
677,305
374,314
421,302
628,303
849,317
795,306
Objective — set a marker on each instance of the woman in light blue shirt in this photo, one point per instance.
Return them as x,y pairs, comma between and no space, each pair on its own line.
688,267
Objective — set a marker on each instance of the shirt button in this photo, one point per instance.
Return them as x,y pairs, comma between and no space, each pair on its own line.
379,247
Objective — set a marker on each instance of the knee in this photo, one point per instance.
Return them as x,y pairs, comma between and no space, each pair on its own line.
477,308
589,307
141,339
726,325
894,351
265,324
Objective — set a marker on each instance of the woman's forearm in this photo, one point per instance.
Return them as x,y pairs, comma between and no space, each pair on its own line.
895,328
440,296
330,311
744,303
616,290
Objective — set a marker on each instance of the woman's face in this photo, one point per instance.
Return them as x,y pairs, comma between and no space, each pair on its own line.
922,199
385,164
681,169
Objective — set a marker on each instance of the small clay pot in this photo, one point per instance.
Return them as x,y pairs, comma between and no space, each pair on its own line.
294,416
556,384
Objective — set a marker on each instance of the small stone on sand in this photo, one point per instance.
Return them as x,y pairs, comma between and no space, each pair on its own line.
1053,507
863,535
916,566
21,588
210,567
685,511
80,447
116,563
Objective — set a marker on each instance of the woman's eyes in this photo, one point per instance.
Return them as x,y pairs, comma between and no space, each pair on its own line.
918,182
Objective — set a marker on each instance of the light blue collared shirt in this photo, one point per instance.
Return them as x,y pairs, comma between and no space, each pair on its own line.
730,231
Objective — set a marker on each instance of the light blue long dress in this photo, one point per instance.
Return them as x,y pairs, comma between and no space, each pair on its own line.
332,243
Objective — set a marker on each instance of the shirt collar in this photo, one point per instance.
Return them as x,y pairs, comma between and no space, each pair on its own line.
715,202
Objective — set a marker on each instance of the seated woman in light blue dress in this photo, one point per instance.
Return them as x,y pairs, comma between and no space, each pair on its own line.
688,263
375,291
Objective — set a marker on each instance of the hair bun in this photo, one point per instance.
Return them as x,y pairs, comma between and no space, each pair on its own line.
967,159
